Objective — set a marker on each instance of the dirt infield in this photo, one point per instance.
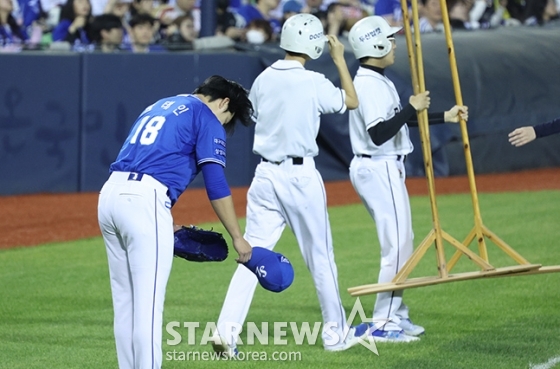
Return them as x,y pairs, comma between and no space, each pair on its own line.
28,220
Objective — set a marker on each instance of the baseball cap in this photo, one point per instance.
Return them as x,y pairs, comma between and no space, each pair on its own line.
292,6
273,270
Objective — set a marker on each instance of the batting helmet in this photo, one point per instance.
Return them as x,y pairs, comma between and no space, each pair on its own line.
369,37
303,33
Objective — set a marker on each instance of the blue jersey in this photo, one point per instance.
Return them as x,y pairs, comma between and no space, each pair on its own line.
170,140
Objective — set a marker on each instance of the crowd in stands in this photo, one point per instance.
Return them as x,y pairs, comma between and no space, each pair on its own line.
141,26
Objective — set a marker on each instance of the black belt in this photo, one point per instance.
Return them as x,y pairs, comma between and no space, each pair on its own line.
399,157
295,161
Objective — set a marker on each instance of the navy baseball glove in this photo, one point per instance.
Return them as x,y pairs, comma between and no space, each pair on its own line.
196,244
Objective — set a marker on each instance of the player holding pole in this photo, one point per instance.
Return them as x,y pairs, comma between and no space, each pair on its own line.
380,142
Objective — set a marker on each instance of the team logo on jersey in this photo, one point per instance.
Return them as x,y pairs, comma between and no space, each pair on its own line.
219,141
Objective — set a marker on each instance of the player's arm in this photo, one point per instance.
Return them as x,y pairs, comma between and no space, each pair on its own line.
385,130
524,135
220,197
453,115
337,53
547,129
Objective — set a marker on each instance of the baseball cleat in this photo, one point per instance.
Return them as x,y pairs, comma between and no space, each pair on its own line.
220,345
410,328
357,333
380,335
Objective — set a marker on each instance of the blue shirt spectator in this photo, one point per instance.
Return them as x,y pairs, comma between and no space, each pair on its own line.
261,10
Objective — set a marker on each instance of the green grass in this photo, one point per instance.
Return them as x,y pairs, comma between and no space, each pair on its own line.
55,302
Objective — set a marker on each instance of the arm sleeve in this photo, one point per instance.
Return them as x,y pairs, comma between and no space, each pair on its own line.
433,118
385,130
215,181
547,129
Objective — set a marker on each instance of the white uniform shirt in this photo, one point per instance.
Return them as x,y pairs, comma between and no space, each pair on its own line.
288,101
379,101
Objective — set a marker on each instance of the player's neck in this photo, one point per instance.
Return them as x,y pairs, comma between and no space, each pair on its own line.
298,58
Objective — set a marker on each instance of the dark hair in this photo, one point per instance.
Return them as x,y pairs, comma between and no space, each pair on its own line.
103,22
67,11
141,18
264,25
217,87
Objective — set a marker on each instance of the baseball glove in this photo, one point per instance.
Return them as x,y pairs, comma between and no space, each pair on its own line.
196,244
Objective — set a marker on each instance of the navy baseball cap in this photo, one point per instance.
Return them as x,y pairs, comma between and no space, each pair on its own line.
273,270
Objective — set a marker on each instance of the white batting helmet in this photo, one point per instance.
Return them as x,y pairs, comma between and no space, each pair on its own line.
368,37
303,33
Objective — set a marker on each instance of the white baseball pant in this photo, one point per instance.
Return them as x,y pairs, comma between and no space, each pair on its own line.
137,226
293,195
380,183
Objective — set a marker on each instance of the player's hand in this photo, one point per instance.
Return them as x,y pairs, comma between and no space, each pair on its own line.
420,101
243,249
456,113
336,48
522,136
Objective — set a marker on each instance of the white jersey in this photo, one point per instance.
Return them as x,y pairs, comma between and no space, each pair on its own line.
282,131
382,106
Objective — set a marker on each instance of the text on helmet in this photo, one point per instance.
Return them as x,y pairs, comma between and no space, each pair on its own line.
371,34
316,36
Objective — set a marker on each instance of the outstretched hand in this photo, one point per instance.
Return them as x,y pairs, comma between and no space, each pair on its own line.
456,113
522,136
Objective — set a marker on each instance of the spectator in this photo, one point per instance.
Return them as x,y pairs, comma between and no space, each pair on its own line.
261,10
122,9
313,6
106,32
391,10
227,23
72,27
430,16
543,12
290,8
142,34
259,31
459,14
167,14
181,33
12,37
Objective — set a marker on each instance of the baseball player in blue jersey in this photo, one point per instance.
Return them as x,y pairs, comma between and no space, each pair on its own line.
524,135
170,143
380,142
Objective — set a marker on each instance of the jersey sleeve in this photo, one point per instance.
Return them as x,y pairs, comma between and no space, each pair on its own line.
253,98
331,98
210,141
373,105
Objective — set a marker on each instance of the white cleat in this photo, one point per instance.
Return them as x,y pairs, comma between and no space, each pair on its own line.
410,328
380,335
